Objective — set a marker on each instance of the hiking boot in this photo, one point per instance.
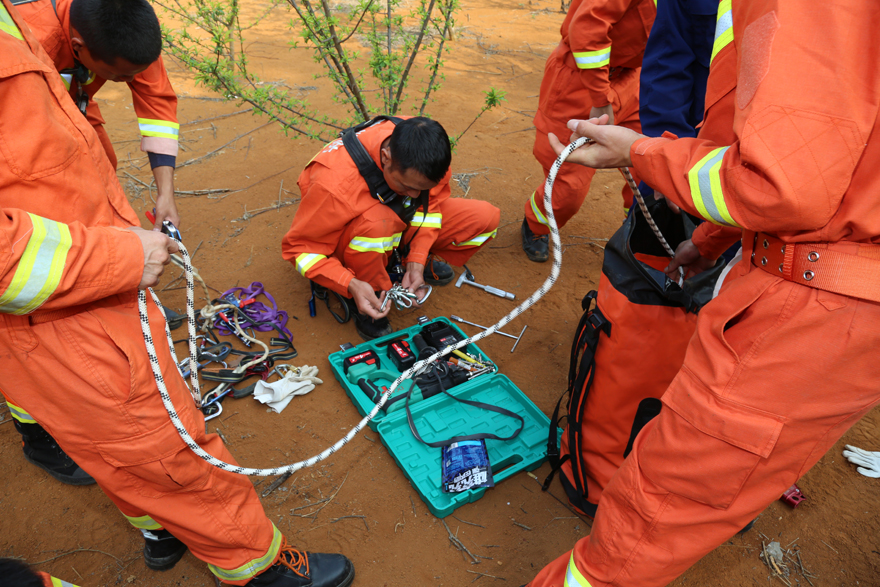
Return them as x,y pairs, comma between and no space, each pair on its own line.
367,327
306,569
536,246
40,449
437,272
161,549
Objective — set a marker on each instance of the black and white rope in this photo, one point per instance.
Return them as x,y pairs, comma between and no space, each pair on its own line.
641,201
190,311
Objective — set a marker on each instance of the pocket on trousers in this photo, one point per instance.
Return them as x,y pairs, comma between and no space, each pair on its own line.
157,462
704,447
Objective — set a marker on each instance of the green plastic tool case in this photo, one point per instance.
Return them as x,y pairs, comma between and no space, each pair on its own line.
440,418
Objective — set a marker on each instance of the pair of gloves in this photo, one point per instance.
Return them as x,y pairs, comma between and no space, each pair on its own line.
296,381
868,462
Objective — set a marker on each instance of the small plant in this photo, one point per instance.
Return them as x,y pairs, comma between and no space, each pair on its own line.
493,98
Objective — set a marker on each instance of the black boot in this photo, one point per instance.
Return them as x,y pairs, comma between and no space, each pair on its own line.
536,246
368,328
437,272
161,549
306,569
41,450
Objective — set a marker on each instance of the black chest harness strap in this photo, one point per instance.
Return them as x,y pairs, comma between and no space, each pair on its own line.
404,207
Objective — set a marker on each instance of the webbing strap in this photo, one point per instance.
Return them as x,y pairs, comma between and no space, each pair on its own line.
580,380
818,266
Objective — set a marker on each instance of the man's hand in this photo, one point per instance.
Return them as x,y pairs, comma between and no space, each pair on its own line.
414,278
607,110
166,208
157,254
365,298
688,256
610,148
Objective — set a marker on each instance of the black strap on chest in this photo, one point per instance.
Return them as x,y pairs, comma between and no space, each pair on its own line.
20,2
404,207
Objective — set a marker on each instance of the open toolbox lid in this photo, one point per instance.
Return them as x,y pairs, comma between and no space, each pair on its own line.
441,417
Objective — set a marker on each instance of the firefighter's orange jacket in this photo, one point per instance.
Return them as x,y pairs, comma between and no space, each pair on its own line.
155,102
800,164
333,194
70,247
605,34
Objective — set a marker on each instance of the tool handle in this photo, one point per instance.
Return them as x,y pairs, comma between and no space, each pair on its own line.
370,389
498,292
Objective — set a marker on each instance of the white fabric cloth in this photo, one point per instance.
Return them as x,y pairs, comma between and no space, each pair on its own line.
297,381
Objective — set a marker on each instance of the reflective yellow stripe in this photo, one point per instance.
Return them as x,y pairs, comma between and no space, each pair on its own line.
19,414
150,127
592,59
383,244
705,183
253,568
573,577
67,78
59,583
39,269
477,240
7,25
427,220
723,28
144,523
539,216
306,261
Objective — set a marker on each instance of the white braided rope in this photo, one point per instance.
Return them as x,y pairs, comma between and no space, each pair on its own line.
190,312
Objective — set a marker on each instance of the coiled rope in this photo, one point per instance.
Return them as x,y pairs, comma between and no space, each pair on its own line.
418,367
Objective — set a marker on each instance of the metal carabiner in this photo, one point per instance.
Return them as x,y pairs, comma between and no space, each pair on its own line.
427,295
216,410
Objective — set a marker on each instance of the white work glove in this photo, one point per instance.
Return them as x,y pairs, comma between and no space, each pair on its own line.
868,462
277,395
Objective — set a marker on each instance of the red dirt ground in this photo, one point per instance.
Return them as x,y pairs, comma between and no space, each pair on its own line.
77,534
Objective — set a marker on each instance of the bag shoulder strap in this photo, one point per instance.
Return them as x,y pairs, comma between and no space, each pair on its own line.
581,371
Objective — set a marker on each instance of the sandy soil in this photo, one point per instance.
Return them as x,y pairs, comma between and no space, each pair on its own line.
376,518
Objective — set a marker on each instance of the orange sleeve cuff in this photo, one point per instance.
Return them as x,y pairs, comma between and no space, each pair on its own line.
712,240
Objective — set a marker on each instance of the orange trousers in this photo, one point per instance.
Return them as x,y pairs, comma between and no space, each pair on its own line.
563,97
466,227
774,375
86,379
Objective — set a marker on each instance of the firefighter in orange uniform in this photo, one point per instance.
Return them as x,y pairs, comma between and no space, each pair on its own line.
89,46
83,39
594,70
72,353
344,239
780,365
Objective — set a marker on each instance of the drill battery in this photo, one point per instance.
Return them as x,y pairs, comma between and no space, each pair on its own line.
401,355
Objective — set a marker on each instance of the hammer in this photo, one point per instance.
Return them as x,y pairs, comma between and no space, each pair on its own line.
516,338
464,278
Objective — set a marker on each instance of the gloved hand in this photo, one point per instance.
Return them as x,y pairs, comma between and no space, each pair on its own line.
869,462
298,381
